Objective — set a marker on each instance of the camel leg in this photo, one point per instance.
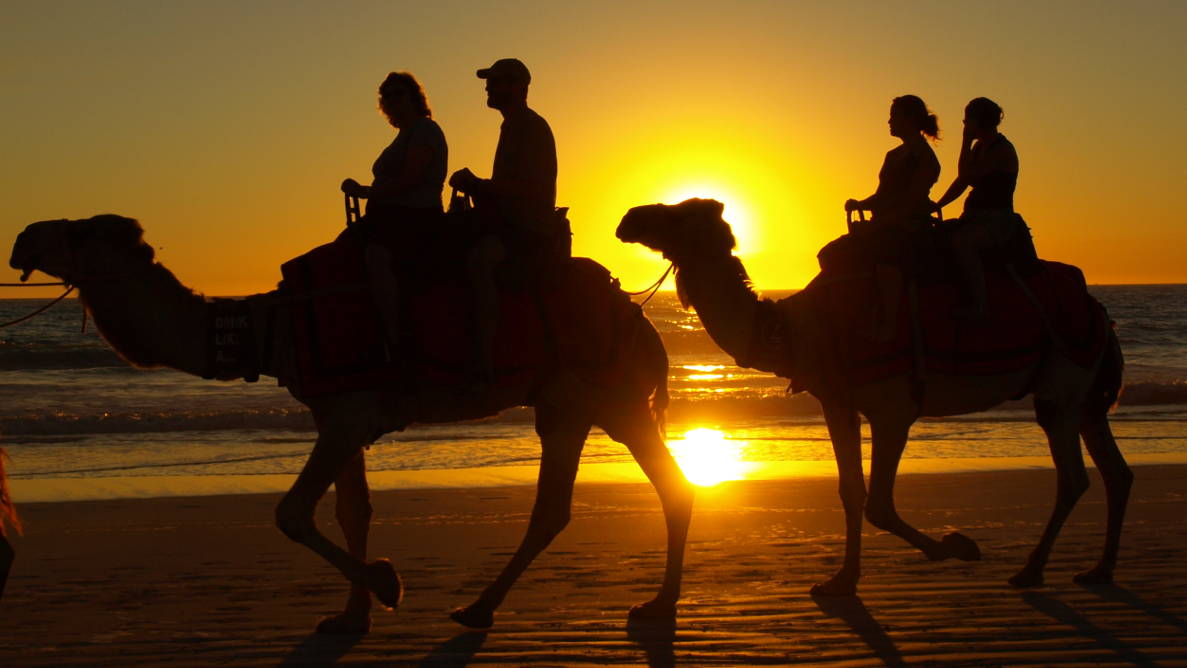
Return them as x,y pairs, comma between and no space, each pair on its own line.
1061,424
1098,439
844,429
637,430
353,511
889,438
561,439
294,516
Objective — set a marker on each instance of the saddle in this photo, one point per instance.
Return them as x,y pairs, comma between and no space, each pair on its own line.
923,253
574,317
1046,308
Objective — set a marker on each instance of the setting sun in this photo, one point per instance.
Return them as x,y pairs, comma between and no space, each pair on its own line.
707,457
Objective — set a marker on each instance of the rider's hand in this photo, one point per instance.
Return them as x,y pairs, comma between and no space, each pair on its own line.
352,187
969,133
852,205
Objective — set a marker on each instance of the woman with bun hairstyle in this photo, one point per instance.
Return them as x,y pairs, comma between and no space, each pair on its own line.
989,165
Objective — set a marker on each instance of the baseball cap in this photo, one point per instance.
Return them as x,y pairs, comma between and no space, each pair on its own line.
506,68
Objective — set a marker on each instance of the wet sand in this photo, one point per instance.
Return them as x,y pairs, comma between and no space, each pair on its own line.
209,580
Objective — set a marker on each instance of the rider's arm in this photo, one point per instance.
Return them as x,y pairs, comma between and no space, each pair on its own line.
964,168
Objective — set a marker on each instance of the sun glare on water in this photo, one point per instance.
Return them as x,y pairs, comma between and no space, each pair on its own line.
707,457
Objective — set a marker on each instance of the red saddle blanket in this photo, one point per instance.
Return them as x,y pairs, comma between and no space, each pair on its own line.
1013,336
579,317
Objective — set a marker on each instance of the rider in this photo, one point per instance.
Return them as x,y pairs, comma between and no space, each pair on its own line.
900,205
515,205
404,198
989,164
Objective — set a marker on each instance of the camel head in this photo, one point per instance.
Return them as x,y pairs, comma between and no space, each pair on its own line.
693,227
105,246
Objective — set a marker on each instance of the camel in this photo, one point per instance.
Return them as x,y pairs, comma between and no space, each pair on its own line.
152,320
1070,401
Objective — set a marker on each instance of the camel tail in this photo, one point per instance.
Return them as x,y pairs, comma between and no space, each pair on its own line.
8,514
1106,388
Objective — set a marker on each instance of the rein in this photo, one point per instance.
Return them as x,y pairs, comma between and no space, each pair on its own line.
654,287
43,309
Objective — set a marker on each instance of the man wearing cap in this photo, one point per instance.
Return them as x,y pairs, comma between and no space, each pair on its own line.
522,186
515,205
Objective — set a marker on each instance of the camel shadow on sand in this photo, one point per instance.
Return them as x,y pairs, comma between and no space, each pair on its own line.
656,637
457,651
321,649
853,612
1117,594
1062,612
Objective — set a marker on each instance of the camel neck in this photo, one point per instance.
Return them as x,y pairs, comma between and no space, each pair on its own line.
150,319
719,289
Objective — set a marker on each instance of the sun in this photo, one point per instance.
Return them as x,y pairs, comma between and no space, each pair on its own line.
736,213
707,457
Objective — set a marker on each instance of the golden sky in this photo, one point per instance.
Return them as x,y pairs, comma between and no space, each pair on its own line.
226,127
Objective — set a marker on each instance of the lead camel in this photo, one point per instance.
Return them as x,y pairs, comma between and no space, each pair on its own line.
152,320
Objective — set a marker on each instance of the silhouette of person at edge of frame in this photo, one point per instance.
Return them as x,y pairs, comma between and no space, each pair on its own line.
8,515
900,206
989,165
514,207
403,214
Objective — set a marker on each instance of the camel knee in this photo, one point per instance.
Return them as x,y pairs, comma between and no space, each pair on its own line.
293,520
354,513
882,515
549,521
1073,486
1118,478
853,497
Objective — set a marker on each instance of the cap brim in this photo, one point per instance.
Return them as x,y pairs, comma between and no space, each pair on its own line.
484,73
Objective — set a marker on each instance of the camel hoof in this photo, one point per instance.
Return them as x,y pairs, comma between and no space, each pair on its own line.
653,609
384,582
345,624
962,547
1096,576
474,617
1025,579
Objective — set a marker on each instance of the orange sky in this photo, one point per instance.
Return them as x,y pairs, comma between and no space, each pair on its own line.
226,129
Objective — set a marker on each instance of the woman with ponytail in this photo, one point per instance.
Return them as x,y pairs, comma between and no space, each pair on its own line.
909,170
900,206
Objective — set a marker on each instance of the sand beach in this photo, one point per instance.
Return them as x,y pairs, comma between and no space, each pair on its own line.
209,580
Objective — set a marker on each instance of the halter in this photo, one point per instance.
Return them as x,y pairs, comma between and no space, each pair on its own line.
43,309
654,287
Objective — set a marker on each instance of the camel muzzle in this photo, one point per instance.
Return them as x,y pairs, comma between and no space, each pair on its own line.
23,258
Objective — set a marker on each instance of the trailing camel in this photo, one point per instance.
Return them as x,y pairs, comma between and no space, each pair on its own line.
1072,367
152,320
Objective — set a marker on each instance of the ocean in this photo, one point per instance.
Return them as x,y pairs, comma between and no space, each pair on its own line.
79,423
